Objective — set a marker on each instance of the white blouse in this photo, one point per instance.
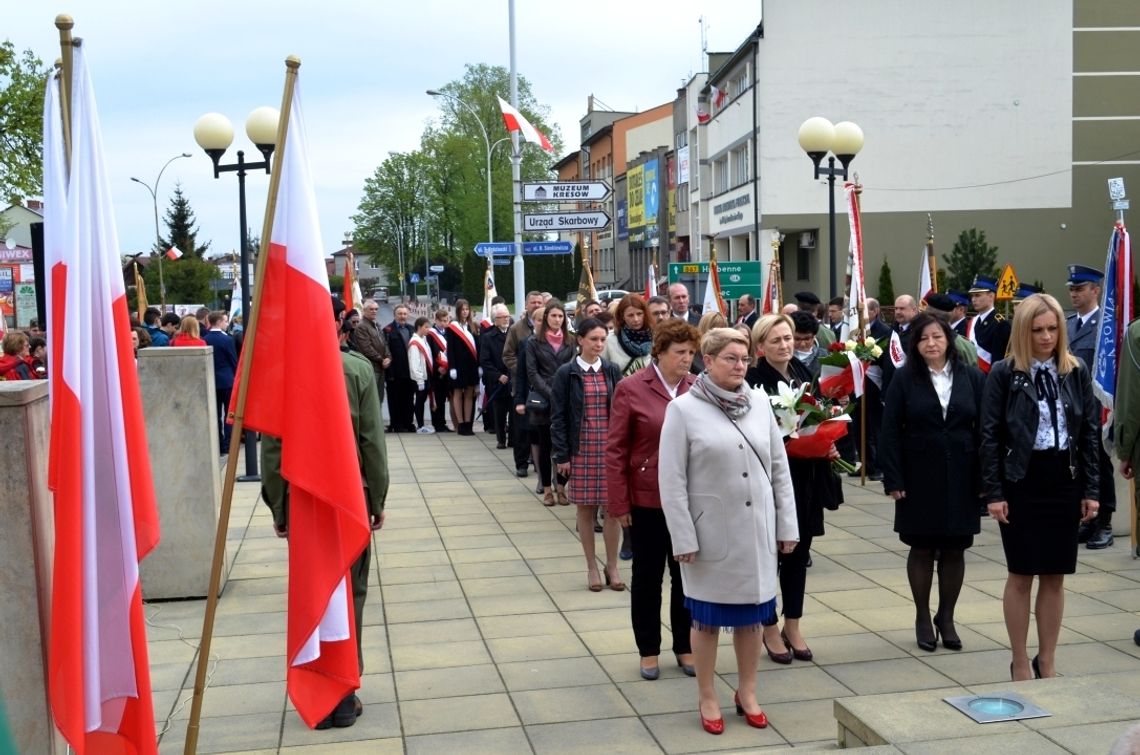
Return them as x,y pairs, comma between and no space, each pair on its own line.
943,381
1044,440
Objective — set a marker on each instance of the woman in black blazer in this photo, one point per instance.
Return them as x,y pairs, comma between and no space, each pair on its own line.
928,453
551,346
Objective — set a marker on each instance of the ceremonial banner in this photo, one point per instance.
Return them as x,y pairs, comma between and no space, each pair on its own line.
106,520
328,521
714,299
856,294
1116,307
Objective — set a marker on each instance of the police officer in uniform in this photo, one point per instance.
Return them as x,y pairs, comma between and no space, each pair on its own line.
989,330
1084,292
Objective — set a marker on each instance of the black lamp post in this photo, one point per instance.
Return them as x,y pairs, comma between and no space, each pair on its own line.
214,134
817,137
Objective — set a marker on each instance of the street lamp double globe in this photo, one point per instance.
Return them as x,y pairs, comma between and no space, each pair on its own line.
214,134
817,138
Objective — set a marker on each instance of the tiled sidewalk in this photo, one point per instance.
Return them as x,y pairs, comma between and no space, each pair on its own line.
481,636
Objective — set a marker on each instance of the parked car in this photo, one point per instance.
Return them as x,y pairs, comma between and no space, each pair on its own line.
605,297
380,295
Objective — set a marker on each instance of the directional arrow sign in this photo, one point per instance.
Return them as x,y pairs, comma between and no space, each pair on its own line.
547,247
498,247
566,191
498,261
436,268
594,220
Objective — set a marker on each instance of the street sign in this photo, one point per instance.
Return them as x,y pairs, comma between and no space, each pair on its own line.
736,278
500,261
436,269
566,191
498,247
594,220
414,278
1007,284
547,247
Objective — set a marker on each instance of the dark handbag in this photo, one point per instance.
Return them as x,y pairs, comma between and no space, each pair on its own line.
536,402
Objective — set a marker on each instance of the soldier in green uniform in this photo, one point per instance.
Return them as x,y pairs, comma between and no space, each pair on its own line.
368,431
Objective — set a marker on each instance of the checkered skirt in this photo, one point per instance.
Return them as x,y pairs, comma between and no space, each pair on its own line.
587,486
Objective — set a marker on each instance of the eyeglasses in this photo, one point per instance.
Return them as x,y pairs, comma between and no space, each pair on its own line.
728,359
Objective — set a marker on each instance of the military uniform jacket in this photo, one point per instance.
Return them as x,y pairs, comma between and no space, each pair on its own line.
367,430
992,334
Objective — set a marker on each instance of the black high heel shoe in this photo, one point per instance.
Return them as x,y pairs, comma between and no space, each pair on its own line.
1036,667
925,643
948,642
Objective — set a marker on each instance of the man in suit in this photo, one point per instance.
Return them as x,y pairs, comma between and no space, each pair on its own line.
836,308
906,309
401,389
225,365
989,330
746,308
958,320
1084,292
679,304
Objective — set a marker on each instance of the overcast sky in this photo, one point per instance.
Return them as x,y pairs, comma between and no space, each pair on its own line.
157,67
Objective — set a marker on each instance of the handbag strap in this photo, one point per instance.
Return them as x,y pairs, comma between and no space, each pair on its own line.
746,440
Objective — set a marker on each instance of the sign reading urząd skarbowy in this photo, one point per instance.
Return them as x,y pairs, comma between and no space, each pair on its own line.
592,220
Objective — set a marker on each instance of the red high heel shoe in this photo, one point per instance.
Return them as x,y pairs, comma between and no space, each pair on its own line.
712,725
757,721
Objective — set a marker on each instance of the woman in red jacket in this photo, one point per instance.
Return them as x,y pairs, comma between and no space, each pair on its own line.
636,417
188,333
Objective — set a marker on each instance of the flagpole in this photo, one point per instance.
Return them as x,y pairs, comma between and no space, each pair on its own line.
864,331
237,410
65,24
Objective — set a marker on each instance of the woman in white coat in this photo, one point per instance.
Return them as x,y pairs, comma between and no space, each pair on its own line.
727,496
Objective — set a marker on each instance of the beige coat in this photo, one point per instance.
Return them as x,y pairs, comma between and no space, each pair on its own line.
719,503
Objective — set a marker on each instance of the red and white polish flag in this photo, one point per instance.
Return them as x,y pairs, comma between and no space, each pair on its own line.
308,410
173,253
515,121
99,467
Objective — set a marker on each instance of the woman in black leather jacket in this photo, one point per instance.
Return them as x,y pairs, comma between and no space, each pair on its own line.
1040,472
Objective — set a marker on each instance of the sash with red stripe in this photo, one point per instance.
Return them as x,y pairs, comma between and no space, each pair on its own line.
441,344
467,337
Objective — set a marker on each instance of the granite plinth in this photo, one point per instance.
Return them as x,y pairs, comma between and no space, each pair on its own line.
26,544
179,405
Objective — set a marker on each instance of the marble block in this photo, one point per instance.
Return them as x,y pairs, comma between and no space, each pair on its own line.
179,405
26,544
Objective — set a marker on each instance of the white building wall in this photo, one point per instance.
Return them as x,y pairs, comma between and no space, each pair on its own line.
648,136
960,102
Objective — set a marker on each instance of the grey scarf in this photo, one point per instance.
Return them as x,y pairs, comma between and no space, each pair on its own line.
733,403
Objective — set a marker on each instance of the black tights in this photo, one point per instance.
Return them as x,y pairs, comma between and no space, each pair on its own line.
951,574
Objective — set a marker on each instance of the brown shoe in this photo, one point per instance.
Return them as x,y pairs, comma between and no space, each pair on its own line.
562,499
548,498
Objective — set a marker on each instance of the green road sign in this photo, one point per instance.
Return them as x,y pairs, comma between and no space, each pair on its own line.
736,278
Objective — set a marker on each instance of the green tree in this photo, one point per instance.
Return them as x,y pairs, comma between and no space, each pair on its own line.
971,256
441,209
181,227
187,281
22,79
886,286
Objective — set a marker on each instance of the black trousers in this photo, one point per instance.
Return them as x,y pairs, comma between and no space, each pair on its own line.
421,399
401,399
652,552
793,578
441,389
499,412
520,438
224,428
540,436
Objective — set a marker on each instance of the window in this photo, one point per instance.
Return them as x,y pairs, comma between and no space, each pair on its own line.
720,175
803,264
682,198
681,138
741,167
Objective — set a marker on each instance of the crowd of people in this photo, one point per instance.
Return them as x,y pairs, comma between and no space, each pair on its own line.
658,426
660,421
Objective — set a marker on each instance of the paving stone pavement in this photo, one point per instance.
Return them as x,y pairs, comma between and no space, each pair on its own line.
480,634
